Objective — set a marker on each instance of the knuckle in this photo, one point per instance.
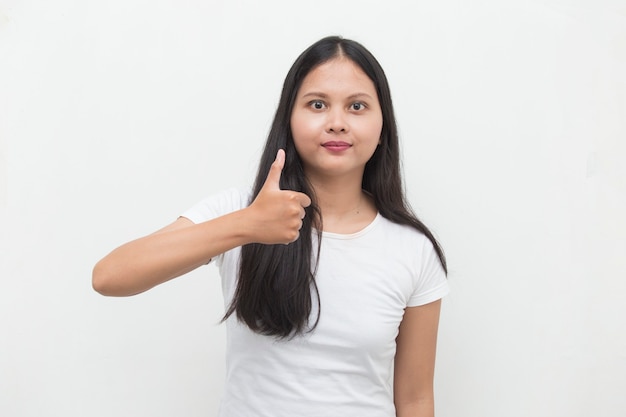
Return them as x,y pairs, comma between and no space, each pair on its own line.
293,211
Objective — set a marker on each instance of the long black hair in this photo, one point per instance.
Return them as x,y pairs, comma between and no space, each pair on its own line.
276,288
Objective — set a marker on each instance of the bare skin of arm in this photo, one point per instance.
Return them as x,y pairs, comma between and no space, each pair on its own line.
415,361
274,217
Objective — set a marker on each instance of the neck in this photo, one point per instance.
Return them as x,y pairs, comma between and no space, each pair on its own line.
338,196
344,206
337,203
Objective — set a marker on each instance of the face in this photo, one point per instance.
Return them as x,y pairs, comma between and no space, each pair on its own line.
336,120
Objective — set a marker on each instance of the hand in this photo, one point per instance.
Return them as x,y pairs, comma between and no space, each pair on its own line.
277,214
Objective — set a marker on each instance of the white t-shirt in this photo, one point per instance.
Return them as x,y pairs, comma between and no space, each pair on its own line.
345,366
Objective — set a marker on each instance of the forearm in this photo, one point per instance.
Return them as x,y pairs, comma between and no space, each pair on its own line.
419,408
151,260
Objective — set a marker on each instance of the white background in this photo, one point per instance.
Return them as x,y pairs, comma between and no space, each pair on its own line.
118,115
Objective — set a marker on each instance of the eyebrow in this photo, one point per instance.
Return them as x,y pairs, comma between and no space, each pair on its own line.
350,97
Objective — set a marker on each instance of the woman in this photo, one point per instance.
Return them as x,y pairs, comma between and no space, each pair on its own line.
333,286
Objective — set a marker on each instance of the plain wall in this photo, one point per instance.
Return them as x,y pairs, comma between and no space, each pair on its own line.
118,115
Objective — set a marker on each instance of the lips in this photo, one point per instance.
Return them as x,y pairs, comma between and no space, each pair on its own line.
336,145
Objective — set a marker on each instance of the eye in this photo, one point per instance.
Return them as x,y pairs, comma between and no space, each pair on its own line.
357,106
317,104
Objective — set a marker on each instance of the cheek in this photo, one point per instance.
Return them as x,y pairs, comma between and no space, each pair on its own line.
298,134
372,131
303,128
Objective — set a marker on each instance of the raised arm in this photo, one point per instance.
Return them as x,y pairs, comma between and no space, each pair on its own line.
274,217
415,361
168,253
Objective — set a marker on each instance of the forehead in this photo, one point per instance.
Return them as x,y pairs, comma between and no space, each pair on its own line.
338,74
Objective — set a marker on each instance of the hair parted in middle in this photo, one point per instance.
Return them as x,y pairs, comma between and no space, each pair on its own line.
276,287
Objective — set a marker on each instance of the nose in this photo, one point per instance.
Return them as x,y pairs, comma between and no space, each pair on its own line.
336,122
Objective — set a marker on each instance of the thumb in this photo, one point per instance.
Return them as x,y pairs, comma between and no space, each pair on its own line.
273,177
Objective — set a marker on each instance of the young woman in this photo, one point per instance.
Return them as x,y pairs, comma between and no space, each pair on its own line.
332,285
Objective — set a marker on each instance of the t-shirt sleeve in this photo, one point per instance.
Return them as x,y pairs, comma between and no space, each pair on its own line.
431,282
217,205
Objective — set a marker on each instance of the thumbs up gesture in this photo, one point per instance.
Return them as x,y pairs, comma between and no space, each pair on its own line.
277,214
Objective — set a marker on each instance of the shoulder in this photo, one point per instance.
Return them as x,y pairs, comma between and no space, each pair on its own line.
403,236
415,249
218,204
